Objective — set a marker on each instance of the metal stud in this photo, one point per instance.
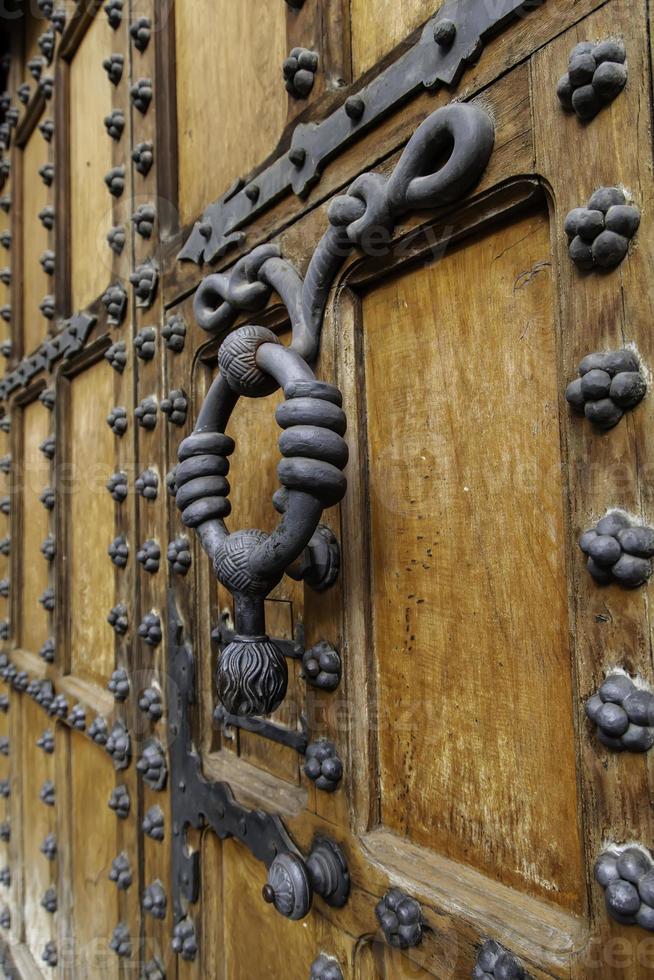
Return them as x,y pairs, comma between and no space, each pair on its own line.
5,831
118,551
121,941
400,918
623,713
154,900
4,703
116,356
143,156
47,498
47,651
179,555
114,66
355,107
5,918
141,94
119,802
46,87
46,128
152,765
325,968
150,703
147,485
118,745
47,793
49,954
596,75
59,19
149,556
117,487
48,447
619,550
47,599
49,847
184,941
140,32
5,276
145,279
4,588
5,876
114,123
47,217
174,333
121,872
119,684
444,33
47,307
48,548
46,173
98,730
117,421
496,963
150,629
299,71
153,823
627,876
114,300
608,385
4,745
144,343
58,706
23,92
47,741
114,12
146,413
116,238
600,233
5,546
175,406
115,181
47,261
153,970
117,619
20,680
49,901
5,789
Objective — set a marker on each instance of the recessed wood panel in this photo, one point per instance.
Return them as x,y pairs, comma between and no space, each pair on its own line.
90,160
469,589
91,522
36,284
377,27
38,820
36,422
93,833
231,100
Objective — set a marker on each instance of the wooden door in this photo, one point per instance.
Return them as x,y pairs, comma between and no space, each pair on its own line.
326,642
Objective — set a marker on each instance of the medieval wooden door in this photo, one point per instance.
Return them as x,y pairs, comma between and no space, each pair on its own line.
327,515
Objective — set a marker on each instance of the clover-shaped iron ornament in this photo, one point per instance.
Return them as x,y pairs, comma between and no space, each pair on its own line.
118,487
121,941
35,67
116,238
609,384
179,555
141,94
114,12
323,766
119,684
46,128
47,793
46,87
623,713
5,831
143,157
175,406
150,703
117,619
114,65
58,706
145,343
47,599
496,963
154,900
400,917
619,550
299,71
49,847
596,75
147,485
627,876
153,970
5,876
119,802
49,954
153,823
600,233
114,300
184,941
118,745
146,413
77,718
174,333
121,872
115,181
59,19
46,741
144,218
117,420
325,968
145,279
152,765
49,901
149,556
114,123
140,32
47,217
47,651
118,551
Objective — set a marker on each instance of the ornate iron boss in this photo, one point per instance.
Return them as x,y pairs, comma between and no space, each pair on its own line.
252,674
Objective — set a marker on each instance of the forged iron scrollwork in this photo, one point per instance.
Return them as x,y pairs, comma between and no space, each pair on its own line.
252,674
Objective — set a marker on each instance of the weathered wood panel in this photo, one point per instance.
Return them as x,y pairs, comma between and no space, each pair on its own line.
91,522
35,478
231,106
378,27
467,556
36,284
90,160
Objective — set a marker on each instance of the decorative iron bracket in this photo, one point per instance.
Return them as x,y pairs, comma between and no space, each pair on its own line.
439,58
196,802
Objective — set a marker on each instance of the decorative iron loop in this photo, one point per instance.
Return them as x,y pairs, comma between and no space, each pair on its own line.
252,673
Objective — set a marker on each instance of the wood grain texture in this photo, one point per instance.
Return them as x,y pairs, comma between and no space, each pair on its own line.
467,555
36,284
90,160
91,523
231,100
378,27
33,576
93,829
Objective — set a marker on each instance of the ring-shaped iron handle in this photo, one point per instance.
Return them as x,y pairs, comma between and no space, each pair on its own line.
252,675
